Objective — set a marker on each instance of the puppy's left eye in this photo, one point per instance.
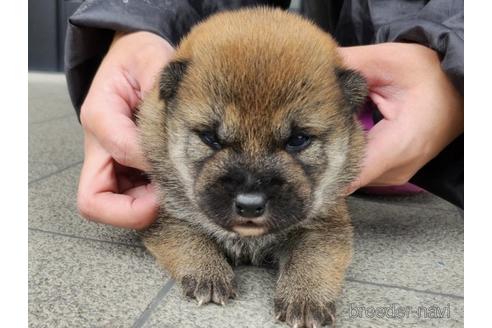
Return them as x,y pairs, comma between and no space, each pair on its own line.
210,139
298,142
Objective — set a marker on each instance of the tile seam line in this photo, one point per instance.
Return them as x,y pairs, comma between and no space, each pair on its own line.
154,303
459,297
84,238
54,173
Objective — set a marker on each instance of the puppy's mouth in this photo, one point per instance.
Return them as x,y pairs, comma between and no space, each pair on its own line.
249,228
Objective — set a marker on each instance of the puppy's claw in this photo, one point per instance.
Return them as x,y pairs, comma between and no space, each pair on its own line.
304,313
207,290
332,317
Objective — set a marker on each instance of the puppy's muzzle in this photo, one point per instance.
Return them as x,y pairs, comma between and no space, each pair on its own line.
249,219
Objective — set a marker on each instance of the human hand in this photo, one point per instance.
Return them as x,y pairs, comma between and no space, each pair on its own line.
112,189
422,111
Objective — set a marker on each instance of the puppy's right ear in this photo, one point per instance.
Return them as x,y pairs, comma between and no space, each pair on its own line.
354,88
170,79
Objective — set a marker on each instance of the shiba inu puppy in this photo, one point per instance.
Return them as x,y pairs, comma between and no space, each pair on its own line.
252,139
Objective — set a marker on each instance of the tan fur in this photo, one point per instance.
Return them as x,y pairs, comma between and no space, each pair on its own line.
256,72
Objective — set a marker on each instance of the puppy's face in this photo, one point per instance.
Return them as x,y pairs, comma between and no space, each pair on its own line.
261,138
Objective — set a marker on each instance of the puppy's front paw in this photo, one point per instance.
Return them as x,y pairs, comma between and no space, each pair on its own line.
300,311
209,288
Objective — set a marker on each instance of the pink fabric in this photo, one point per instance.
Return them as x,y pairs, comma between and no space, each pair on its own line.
367,122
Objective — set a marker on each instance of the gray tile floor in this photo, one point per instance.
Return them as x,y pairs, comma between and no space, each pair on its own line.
407,269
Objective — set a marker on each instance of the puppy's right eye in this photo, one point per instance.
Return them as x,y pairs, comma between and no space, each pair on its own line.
210,139
298,142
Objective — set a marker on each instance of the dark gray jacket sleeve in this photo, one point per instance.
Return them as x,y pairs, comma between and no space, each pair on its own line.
437,24
92,26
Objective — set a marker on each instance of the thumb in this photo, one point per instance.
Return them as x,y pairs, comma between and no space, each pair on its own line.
118,134
107,114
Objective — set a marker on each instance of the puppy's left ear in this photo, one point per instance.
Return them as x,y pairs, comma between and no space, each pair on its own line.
170,79
354,88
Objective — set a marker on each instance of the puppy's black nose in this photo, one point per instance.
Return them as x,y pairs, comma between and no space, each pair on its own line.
250,205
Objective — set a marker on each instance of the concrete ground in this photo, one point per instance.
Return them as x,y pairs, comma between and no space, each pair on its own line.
407,269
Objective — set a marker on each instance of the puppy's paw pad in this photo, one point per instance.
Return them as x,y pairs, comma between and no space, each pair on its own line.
212,289
304,313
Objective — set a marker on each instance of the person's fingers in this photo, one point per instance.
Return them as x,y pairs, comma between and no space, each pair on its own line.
98,197
124,210
352,187
382,147
109,118
129,178
108,192
128,182
127,72
396,176
140,191
118,135
146,71
382,89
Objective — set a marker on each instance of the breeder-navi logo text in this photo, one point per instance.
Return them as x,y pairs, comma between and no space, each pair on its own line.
396,311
